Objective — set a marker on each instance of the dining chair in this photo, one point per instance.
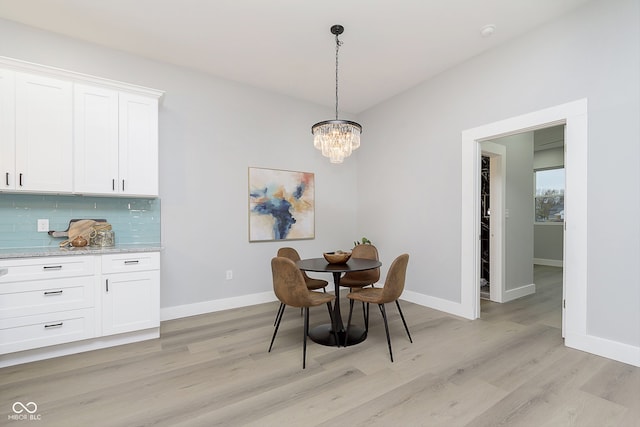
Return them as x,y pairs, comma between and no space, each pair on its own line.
390,292
290,288
361,279
312,284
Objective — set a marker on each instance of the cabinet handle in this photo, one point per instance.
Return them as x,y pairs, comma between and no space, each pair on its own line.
6,178
52,267
59,292
133,261
107,284
20,180
53,325
123,185
113,185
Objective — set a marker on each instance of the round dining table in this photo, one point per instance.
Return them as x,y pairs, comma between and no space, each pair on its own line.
323,334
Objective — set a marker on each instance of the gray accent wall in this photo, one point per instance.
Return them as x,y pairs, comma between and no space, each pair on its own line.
412,154
519,205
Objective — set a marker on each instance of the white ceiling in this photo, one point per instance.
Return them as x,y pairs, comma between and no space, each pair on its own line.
285,45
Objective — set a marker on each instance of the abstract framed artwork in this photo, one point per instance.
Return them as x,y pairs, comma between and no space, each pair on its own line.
281,205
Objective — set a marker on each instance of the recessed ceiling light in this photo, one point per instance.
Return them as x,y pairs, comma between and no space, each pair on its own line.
487,30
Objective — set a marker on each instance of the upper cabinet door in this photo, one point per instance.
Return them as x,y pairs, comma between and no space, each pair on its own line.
95,154
7,130
138,148
44,132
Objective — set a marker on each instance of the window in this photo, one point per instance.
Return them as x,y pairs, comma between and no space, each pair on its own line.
549,198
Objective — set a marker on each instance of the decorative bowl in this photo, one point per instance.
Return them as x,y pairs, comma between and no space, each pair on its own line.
337,257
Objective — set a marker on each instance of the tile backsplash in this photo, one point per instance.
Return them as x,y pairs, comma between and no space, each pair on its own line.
133,220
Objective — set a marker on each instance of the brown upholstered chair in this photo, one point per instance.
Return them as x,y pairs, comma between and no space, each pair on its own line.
360,279
390,292
290,288
312,284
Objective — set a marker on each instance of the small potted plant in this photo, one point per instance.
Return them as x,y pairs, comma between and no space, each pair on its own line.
365,241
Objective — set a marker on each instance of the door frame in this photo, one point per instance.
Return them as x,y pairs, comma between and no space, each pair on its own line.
574,116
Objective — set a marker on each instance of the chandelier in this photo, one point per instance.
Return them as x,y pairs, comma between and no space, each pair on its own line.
336,138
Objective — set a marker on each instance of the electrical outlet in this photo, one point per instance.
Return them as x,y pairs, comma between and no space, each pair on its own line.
229,274
43,225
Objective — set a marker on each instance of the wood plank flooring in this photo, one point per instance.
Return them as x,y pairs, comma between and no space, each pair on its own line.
509,368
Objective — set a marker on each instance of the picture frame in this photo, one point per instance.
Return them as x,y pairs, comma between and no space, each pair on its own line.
281,205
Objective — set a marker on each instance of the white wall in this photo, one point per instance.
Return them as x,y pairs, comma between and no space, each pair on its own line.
211,131
407,196
413,155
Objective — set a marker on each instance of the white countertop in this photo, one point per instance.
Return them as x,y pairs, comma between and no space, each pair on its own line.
7,253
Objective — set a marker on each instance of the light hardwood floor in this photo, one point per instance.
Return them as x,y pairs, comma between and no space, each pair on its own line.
509,368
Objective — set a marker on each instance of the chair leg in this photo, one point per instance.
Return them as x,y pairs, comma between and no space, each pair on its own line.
333,325
403,321
364,314
366,323
346,332
306,332
277,324
279,313
386,328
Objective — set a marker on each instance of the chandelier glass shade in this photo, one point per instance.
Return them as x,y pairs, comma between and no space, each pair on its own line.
336,138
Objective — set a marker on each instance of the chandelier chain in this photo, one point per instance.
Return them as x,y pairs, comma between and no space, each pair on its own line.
338,44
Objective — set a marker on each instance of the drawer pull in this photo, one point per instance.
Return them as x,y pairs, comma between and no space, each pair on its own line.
53,325
134,261
6,178
53,292
106,282
52,267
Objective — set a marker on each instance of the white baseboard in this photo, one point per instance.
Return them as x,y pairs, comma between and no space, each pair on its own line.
186,310
522,291
621,352
440,304
549,262
42,353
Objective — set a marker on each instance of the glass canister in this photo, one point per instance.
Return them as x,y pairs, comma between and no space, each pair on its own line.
102,238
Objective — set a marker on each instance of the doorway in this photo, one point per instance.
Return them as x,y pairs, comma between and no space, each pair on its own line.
532,233
574,116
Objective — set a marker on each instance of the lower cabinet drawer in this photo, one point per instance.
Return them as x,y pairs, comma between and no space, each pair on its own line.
28,332
46,296
128,262
47,268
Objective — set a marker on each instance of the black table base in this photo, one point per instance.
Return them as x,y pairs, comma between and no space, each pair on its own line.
323,334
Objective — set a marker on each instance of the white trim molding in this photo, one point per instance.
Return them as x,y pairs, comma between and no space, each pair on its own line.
436,303
522,291
548,262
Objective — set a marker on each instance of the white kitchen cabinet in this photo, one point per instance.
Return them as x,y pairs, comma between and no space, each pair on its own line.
7,129
51,306
130,292
43,134
46,301
138,149
95,140
115,142
66,132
